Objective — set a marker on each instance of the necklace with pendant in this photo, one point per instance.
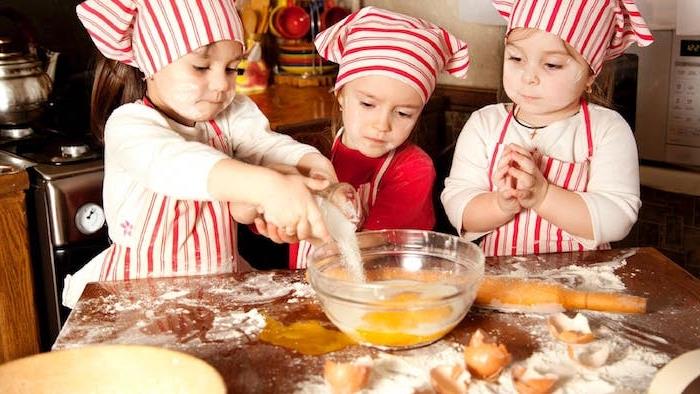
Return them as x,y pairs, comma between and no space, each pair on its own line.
533,129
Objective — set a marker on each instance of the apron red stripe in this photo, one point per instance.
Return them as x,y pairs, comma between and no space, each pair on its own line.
107,267
175,242
127,263
154,235
514,244
195,239
215,223
495,242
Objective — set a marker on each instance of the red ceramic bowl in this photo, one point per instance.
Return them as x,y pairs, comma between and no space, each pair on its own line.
293,22
333,15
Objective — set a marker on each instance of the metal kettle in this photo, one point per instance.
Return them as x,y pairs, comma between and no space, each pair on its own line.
25,80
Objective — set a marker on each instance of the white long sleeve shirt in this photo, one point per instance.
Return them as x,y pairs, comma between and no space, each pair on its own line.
146,152
612,195
151,160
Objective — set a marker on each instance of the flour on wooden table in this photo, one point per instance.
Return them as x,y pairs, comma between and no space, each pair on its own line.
629,369
255,289
223,311
592,277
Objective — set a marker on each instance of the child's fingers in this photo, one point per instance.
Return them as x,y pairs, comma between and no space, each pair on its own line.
519,149
524,163
315,183
275,233
509,194
265,229
323,175
303,229
317,225
524,180
523,194
260,226
501,172
287,235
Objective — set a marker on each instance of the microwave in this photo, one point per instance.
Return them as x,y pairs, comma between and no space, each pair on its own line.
667,110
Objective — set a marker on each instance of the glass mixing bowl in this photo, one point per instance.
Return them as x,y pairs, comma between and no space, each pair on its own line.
418,286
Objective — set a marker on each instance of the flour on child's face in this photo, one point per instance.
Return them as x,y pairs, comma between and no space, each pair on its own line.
542,76
378,113
199,85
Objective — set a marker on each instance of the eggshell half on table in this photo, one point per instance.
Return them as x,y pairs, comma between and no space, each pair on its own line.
110,369
484,357
529,381
346,378
570,330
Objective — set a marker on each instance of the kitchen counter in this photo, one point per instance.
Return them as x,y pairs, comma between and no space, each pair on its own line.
287,106
219,318
670,179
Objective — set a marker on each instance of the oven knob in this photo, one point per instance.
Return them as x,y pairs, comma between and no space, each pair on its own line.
89,218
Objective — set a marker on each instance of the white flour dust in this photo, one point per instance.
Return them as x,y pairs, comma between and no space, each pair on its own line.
342,230
593,277
236,325
209,315
629,369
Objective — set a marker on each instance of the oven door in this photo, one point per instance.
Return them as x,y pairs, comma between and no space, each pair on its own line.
59,246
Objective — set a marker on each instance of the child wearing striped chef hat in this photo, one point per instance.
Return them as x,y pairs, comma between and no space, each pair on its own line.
550,172
183,154
388,66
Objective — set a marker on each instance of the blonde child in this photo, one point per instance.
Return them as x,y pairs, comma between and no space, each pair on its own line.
550,172
183,154
388,66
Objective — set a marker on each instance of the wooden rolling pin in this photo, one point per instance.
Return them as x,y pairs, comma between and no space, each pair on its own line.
503,291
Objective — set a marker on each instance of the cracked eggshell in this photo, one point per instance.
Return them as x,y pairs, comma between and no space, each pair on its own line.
346,378
450,379
570,330
485,358
529,381
590,356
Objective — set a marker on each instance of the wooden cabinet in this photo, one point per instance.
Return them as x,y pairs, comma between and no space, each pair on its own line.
18,319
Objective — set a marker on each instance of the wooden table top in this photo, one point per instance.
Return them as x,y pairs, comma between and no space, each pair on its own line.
209,317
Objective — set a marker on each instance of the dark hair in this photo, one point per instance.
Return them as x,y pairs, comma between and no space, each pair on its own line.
115,84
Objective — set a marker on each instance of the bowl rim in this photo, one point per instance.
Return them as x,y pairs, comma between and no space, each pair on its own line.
315,274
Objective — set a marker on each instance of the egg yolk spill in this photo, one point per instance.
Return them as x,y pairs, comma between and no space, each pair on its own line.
306,337
393,328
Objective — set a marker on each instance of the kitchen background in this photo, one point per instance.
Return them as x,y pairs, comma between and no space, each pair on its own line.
670,215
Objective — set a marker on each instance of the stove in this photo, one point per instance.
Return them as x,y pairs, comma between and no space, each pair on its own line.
64,209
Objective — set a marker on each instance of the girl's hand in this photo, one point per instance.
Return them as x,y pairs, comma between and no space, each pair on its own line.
311,180
505,185
317,166
276,234
289,205
243,213
531,185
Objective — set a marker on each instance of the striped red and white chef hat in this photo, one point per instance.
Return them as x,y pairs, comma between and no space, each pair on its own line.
150,34
599,30
373,41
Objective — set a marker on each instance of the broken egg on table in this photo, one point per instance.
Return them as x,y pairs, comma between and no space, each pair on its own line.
529,381
574,330
485,358
346,378
450,379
